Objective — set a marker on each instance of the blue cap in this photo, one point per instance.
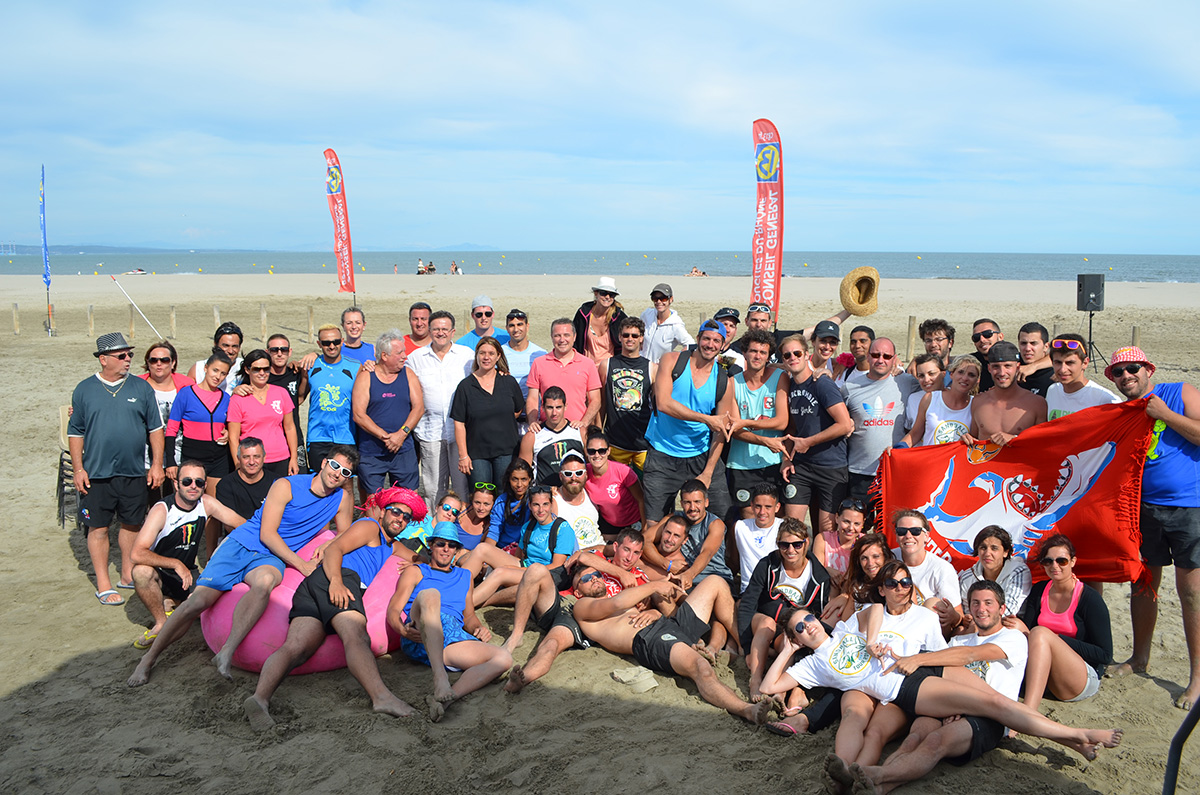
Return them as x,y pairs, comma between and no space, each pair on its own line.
713,325
447,531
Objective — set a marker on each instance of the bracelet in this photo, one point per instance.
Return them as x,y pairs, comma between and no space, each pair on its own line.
406,429
464,457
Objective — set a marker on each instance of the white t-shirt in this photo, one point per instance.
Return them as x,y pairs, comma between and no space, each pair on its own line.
584,520
753,544
843,663
933,578
1005,676
915,630
1060,404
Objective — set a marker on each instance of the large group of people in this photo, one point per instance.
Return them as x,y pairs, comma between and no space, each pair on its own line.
661,495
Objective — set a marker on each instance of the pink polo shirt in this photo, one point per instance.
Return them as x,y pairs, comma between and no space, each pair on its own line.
576,377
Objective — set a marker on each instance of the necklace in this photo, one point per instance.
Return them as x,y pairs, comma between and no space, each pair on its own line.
113,392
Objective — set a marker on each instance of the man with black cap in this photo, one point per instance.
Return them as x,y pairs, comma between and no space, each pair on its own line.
112,418
1008,408
731,358
481,313
665,330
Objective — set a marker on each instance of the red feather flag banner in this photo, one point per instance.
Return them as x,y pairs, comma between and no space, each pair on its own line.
1080,475
767,245
335,191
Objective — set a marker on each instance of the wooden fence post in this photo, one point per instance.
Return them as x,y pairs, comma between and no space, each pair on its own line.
172,321
132,315
216,317
1137,337
311,336
912,338
262,312
17,320
91,320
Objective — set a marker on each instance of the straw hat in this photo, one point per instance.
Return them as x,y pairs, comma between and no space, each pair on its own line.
860,291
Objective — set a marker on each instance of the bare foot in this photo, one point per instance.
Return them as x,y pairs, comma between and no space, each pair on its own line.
1130,666
513,643
762,711
863,785
257,713
391,705
1188,697
437,710
224,665
516,680
443,692
1095,739
838,774
704,651
140,675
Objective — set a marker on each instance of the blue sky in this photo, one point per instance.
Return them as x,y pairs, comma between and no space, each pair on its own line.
917,126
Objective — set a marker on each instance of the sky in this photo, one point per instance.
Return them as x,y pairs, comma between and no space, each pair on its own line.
916,126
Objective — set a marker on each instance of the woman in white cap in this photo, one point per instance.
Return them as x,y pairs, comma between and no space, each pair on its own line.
597,321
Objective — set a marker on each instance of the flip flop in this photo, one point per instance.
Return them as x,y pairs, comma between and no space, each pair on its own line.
125,586
102,596
781,728
145,641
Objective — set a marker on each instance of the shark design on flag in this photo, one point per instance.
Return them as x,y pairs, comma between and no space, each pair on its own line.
1027,510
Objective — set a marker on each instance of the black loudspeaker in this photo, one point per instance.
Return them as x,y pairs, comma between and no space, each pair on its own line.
1090,297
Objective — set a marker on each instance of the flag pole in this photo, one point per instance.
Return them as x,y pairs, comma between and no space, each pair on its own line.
135,306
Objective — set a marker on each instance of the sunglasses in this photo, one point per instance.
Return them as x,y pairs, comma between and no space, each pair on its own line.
597,451
516,314
539,489
658,299
441,542
792,354
589,577
901,532
903,582
452,511
808,618
481,314
1060,561
1071,345
983,335
625,335
791,544
330,343
396,510
605,293
122,356
260,369
572,473
279,349
334,466
1132,368
159,360
758,308
486,487
198,482
887,357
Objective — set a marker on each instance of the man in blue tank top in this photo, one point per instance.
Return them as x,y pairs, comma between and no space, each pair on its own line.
1170,520
296,509
687,431
331,600
432,611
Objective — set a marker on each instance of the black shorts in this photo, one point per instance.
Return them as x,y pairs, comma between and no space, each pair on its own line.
986,734
826,486
312,598
652,646
741,481
212,456
172,586
276,468
122,497
560,615
1170,535
906,699
317,453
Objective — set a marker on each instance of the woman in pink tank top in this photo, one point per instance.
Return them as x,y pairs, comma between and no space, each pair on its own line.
832,547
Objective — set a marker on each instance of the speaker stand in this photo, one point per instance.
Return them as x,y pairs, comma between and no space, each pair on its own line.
1093,349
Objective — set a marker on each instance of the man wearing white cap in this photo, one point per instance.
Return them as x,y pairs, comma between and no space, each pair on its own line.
112,418
481,313
1170,520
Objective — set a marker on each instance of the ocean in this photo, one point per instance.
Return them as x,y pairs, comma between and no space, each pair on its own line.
894,265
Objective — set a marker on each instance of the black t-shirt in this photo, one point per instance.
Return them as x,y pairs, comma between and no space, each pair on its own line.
985,377
290,380
808,404
1039,381
241,497
627,404
489,419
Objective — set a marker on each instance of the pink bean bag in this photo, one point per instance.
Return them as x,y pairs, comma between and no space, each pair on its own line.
271,630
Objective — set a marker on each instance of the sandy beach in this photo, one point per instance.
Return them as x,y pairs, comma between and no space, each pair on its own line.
71,725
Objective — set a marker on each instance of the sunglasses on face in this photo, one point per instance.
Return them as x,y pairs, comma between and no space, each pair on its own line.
279,349
797,545
1071,345
589,577
334,466
597,451
482,314
396,510
260,369
903,582
159,360
452,511
1132,368
122,356
1060,561
901,532
441,542
887,357
792,354
331,343
658,299
983,335
808,618
626,335
606,293
572,473
198,482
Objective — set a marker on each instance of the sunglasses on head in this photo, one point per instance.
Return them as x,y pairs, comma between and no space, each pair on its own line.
198,482
852,504
791,544
983,335
330,343
1060,561
159,360
482,313
887,357
1132,368
1071,345
597,451
539,489
758,308
901,532
516,314
452,511
486,487
334,466
396,510
903,582
279,349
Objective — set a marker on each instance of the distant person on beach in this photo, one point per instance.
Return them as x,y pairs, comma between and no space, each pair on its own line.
1003,412
330,415
985,333
569,370
1170,517
1073,390
665,329
107,439
1037,371
440,366
228,340
481,313
296,510
418,323
627,385
596,322
330,601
